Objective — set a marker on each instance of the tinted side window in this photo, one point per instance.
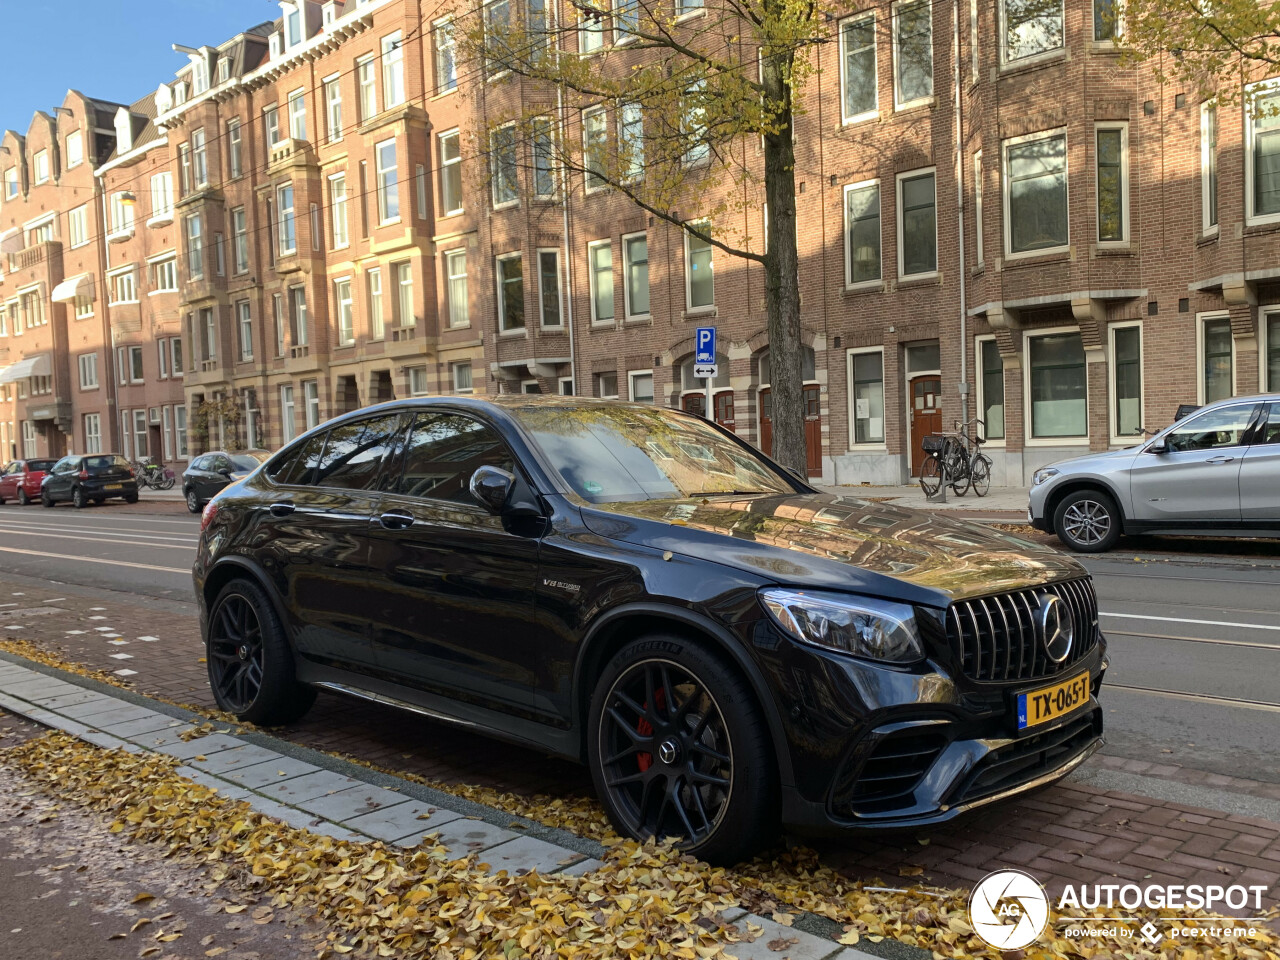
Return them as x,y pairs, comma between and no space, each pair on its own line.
221,463
1223,427
278,468
201,463
304,468
355,453
1269,430
443,451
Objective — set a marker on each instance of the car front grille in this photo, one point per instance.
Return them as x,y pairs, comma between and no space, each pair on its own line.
996,637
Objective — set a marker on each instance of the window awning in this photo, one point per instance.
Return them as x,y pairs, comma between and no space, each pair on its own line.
80,285
31,367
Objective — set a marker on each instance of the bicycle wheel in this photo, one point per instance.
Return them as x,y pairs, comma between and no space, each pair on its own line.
958,473
981,475
930,476
165,483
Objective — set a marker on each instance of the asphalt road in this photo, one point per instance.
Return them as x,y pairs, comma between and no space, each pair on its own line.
1195,649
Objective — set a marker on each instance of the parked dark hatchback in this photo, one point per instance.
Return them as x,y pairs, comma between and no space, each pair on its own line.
633,587
89,478
210,472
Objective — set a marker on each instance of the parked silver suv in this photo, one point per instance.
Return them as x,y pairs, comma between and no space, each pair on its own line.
1215,473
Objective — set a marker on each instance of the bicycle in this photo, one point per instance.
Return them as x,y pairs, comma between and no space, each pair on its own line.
151,474
957,457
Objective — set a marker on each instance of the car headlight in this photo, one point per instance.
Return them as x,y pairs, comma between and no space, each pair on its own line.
1043,474
875,629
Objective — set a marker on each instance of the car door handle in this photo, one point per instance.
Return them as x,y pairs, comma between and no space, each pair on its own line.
282,508
395,520
1219,460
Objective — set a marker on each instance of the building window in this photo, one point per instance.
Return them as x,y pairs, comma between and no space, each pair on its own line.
288,428
175,349
1262,169
1035,194
297,115
917,224
346,318
11,183
40,162
245,329
977,206
75,149
594,19
392,70
600,265
199,158
912,51
1126,380
377,317
461,377
161,196
1209,168
92,433
338,209
367,88
133,363
123,287
635,267
862,233
858,68
446,56
293,27
1217,349
417,381
1058,383
301,326
1107,21
184,167
240,240
1113,179
544,171
502,149
403,275
991,388
695,125
700,290
164,275
388,182
1272,367
451,172
510,275
549,288
180,430
333,109
607,386
455,267
141,450
84,308
595,143
88,371
286,232
78,226
195,246
1030,28
209,328
235,157
121,219
271,124
641,383
866,396
311,402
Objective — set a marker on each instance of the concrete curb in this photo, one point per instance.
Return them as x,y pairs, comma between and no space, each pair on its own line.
325,795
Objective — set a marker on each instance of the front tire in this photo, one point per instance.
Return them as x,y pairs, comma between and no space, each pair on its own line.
981,476
78,498
193,502
1087,521
678,748
45,499
23,499
251,669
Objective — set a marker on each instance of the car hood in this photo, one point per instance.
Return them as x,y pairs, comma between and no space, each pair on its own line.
1095,462
825,541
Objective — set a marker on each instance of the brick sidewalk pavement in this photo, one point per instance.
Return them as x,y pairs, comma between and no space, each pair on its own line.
1073,832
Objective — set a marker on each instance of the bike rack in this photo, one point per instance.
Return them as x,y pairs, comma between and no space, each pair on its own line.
941,495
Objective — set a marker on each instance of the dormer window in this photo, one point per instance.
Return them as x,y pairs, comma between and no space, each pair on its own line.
275,45
199,75
293,27
330,12
164,98
124,131
224,69
180,92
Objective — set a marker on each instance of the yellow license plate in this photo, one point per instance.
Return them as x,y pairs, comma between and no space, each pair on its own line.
113,486
1049,703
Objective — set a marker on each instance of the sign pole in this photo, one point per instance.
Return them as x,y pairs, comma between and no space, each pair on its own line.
711,413
704,364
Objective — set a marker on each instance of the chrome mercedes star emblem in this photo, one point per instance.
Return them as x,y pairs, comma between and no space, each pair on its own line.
1056,628
668,750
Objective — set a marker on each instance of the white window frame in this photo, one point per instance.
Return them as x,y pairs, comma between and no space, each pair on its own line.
311,403
1002,28
630,115
1119,26
898,179
495,165
392,47
979,392
175,347
450,256
377,304
597,27
1027,425
594,245
1004,192
1252,91
850,353
338,213
288,413
75,157
402,274
88,364
848,253
415,373
555,252
332,87
1116,438
194,241
78,224
1125,240
627,313
118,275
180,431
383,187
846,120
344,311
240,240
688,275
443,39
899,104
40,166
503,329
163,266
366,89
297,103
199,159
161,198
1265,344
446,170
1201,320
286,215
631,385
235,156
563,382
978,226
131,351
453,376
594,182
1207,157
244,329
271,124
92,438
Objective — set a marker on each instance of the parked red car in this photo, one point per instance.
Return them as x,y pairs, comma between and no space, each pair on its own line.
21,480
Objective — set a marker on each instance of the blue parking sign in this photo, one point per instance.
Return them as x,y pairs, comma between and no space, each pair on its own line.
705,345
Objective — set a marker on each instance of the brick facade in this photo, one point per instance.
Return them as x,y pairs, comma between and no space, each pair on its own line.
277,313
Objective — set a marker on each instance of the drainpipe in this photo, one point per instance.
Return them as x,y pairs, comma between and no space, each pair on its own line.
108,332
964,316
568,258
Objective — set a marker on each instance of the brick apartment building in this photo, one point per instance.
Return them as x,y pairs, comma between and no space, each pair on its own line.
996,216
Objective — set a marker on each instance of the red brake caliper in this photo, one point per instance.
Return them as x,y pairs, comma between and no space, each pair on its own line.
645,729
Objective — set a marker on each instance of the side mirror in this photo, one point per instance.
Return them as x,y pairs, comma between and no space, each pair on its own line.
797,474
1159,446
502,493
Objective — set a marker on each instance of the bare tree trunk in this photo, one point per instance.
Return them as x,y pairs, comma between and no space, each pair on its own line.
782,273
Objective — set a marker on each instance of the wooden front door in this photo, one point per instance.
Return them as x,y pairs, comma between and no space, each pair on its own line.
812,426
926,415
695,403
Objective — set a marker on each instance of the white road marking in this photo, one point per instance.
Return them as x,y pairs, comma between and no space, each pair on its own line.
54,600
1201,698
72,633
186,571
122,656
1206,623
148,639
23,527
8,604
114,541
52,521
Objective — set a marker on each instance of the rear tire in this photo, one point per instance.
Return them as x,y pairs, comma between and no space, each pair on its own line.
193,502
78,498
678,747
130,498
251,669
1087,521
23,499
981,476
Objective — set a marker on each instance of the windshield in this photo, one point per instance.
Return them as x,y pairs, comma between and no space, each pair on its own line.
617,453
247,461
35,465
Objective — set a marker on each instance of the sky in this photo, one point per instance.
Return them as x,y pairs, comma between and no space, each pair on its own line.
117,50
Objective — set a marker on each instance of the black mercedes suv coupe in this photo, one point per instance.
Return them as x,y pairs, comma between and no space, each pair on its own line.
635,588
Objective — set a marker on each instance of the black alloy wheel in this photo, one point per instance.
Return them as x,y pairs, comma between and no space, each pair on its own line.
78,498
193,502
678,750
250,665
23,499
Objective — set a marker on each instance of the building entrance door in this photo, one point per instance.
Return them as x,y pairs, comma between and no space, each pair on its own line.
925,395
812,398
